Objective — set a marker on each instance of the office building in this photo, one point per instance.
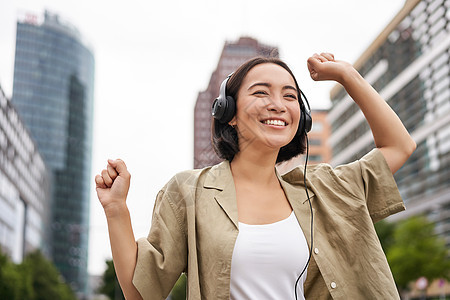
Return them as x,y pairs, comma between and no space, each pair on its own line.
319,148
233,55
24,188
409,65
53,93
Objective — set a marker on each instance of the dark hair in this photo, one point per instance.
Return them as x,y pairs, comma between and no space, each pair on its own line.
225,138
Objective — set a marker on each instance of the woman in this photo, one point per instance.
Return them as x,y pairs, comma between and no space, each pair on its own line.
240,230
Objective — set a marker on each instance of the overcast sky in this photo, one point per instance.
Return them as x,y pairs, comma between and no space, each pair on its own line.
153,57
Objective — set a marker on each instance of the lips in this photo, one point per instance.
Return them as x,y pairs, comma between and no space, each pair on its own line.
276,122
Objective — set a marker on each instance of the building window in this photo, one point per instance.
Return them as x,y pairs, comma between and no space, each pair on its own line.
317,126
315,142
315,158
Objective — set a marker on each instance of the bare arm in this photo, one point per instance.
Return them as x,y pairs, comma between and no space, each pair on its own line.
390,136
112,189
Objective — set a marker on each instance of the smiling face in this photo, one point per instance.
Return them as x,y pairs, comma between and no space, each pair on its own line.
268,111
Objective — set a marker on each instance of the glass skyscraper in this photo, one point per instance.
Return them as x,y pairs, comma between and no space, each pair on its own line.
53,93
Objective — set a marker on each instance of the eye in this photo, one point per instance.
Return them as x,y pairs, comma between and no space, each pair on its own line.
260,93
294,97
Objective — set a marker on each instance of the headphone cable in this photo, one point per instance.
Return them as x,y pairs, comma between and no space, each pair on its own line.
312,218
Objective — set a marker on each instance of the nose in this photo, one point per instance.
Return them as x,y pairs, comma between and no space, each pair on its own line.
276,104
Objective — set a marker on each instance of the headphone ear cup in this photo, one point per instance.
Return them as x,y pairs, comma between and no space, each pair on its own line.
218,108
305,123
301,123
230,110
224,107
223,110
308,122
305,117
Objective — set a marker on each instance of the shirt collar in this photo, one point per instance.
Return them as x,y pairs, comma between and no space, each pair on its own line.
221,179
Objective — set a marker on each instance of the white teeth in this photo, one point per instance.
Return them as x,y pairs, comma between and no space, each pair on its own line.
274,122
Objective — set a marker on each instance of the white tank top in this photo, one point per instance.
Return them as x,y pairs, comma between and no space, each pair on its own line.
267,260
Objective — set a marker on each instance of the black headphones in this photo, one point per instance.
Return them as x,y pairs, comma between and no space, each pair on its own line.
224,109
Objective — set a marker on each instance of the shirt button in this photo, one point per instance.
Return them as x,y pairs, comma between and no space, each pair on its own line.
333,285
316,250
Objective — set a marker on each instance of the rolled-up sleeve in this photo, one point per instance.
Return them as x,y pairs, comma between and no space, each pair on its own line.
381,191
162,256
370,179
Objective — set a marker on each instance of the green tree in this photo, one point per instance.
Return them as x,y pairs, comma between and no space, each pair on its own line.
417,251
34,279
110,285
26,282
9,279
179,290
46,281
385,231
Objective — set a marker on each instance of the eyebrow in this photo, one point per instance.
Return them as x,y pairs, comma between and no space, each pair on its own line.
266,84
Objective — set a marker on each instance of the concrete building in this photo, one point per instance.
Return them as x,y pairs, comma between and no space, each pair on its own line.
53,93
233,55
409,65
24,188
319,148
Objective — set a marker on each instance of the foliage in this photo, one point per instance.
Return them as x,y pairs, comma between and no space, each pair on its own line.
110,286
35,278
179,290
11,284
46,280
385,231
416,251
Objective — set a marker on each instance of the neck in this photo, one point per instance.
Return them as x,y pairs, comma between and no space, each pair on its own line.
255,166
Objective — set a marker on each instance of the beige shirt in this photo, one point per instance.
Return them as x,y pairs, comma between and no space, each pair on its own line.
195,225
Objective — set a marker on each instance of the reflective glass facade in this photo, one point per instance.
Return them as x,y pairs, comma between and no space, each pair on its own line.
53,92
24,188
409,65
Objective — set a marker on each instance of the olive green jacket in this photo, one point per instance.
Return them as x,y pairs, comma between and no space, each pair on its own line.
195,225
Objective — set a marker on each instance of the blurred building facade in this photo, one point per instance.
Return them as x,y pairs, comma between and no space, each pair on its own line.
409,65
53,93
319,148
233,55
24,188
